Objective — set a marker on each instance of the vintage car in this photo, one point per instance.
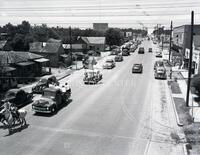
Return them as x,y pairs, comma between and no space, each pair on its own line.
150,50
159,54
52,99
43,83
158,64
137,68
141,50
109,64
160,73
18,97
92,76
118,58
125,52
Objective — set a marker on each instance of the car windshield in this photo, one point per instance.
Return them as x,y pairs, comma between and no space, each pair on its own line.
10,94
136,65
109,60
159,63
49,93
43,81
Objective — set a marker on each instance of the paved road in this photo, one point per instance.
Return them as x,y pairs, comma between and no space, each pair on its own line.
109,118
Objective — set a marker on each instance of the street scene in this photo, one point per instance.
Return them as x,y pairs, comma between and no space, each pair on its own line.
106,88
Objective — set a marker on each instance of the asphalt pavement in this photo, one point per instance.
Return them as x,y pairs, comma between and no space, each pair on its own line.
109,118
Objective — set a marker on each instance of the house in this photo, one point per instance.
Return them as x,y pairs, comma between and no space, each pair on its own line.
19,66
94,43
4,45
51,51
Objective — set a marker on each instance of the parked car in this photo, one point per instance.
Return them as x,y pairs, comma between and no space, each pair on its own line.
141,50
158,63
150,50
92,76
160,73
109,64
118,58
43,83
159,54
137,68
125,52
115,51
18,97
52,99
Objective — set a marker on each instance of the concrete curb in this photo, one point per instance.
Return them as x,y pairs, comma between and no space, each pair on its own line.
185,149
174,107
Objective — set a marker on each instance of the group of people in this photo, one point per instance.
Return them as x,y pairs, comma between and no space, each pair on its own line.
65,88
10,107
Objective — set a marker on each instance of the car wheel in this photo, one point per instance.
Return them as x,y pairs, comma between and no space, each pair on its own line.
53,110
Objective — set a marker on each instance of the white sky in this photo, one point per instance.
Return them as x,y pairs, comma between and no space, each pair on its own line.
82,13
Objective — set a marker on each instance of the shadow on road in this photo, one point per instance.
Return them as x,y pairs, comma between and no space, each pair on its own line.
15,130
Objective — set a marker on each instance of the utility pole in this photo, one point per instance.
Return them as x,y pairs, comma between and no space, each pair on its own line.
190,59
170,42
162,42
70,41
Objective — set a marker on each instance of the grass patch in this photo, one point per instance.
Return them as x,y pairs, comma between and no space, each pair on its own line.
175,88
183,111
192,133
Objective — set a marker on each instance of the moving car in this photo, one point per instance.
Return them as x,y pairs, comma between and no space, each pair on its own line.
52,99
141,50
150,50
92,76
118,58
18,97
125,52
43,83
159,54
158,64
109,64
137,68
160,73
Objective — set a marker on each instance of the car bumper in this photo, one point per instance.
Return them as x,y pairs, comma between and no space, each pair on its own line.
136,71
41,110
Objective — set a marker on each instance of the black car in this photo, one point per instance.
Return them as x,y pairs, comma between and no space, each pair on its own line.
137,68
18,97
150,50
44,83
141,50
118,58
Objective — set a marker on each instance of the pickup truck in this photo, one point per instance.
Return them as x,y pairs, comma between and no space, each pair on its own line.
52,99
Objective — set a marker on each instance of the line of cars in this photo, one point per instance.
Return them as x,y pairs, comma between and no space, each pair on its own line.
51,100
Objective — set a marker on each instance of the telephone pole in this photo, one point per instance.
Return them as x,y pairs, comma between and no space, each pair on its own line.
70,41
190,59
170,41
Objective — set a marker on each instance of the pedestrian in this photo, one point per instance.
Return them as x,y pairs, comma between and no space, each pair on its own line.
67,87
170,74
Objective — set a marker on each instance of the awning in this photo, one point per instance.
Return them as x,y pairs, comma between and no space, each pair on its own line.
41,60
25,63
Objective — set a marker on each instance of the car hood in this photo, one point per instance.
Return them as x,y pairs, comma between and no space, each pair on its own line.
44,102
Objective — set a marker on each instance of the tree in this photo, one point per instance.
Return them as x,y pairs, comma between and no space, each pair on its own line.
113,37
195,82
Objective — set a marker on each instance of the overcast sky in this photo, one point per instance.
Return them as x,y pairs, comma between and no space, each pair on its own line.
82,13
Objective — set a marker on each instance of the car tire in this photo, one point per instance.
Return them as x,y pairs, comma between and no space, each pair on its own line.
53,110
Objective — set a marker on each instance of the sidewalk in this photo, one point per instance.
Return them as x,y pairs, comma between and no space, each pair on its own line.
184,114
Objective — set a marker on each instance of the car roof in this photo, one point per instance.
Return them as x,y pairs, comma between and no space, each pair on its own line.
137,64
52,89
